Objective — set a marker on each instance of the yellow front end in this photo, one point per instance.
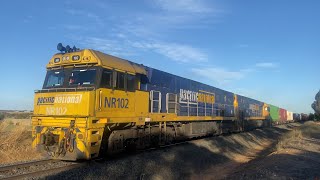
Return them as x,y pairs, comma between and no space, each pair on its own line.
265,111
64,124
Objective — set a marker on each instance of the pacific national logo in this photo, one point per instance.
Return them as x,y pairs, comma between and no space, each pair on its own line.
45,100
193,97
60,99
68,99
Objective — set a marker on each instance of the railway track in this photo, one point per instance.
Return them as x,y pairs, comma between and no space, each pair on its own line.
42,168
36,169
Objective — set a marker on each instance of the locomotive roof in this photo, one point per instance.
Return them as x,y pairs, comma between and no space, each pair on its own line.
93,57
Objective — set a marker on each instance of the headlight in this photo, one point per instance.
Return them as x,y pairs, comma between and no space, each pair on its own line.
56,60
65,58
86,58
75,58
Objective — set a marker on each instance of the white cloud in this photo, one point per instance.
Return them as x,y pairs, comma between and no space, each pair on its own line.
113,47
72,27
176,52
248,70
27,19
189,6
169,17
75,12
97,19
135,30
266,65
120,35
219,75
223,76
243,45
123,47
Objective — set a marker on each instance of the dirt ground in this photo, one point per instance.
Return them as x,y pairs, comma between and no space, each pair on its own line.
15,141
290,151
296,156
272,153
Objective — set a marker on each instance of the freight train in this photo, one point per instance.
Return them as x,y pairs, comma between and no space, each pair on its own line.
93,104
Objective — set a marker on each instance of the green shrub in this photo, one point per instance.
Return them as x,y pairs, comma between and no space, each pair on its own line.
1,116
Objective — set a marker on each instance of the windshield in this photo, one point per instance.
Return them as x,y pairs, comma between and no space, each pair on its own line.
70,78
54,79
82,77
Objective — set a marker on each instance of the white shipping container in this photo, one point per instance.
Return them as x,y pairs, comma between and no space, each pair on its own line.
289,116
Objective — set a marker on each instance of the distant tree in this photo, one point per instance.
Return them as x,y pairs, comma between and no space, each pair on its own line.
1,116
317,116
311,116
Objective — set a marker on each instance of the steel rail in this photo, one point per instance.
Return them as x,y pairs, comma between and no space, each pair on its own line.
27,164
41,172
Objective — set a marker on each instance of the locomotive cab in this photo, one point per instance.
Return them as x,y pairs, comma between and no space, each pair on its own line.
83,91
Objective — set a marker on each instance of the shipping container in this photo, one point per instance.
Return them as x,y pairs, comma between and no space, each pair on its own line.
283,115
289,116
304,117
274,113
296,117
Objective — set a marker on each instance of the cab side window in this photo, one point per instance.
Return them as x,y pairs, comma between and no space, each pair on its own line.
107,77
130,82
120,80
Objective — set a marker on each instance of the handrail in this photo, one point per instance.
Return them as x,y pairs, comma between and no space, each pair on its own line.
171,102
211,110
202,109
65,89
100,100
152,100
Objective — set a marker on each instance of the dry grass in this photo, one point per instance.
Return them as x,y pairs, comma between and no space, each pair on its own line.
297,136
15,141
287,140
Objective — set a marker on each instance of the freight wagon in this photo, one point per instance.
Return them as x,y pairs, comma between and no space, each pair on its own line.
283,115
296,117
289,116
304,117
274,114
93,104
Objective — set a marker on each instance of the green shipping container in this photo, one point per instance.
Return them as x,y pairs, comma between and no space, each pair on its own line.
274,113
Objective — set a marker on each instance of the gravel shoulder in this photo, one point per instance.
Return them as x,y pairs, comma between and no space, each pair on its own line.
268,153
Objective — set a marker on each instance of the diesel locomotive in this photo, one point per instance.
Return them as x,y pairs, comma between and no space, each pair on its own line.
93,104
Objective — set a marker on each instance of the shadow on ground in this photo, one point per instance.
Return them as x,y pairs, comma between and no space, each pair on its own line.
281,166
210,158
297,156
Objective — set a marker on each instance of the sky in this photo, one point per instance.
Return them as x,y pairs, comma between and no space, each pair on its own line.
268,50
